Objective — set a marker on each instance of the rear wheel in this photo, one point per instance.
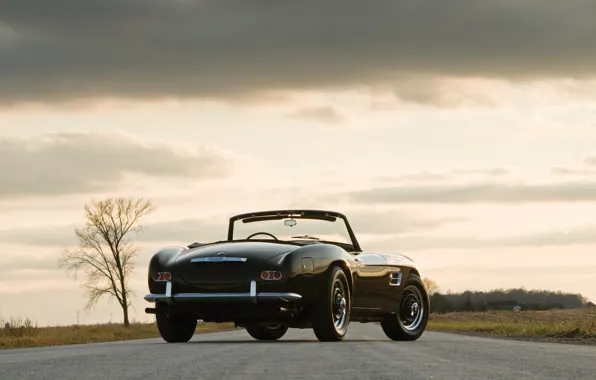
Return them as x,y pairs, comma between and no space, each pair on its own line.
176,328
331,314
272,332
412,316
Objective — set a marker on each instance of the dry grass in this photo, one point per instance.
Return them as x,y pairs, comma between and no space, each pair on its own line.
23,333
570,325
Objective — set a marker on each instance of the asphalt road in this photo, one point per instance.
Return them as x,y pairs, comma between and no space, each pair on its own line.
365,354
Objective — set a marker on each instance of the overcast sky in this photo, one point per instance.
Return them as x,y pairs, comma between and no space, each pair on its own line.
460,133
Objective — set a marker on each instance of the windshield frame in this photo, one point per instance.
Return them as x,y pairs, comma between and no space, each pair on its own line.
330,216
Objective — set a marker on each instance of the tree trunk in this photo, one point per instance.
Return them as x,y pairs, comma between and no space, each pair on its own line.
125,308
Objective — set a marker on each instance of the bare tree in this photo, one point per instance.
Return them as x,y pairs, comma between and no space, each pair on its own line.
104,253
431,286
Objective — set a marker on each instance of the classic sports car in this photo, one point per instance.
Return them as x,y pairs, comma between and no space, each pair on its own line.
286,278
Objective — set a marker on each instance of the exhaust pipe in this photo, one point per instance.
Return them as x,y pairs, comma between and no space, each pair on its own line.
284,312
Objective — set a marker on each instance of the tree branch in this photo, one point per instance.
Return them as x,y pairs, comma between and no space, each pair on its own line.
104,253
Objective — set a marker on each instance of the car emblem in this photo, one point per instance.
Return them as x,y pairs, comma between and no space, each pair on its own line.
220,254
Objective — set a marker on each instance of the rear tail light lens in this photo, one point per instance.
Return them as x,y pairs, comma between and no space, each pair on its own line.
271,275
162,276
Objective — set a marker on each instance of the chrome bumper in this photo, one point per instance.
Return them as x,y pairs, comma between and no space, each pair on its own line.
252,296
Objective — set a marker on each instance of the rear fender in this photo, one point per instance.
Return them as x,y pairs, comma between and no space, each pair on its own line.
309,267
162,261
347,270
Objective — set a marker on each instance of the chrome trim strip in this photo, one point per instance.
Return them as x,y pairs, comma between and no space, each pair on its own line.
253,291
223,297
218,259
253,296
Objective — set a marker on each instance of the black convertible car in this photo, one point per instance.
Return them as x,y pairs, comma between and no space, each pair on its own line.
286,269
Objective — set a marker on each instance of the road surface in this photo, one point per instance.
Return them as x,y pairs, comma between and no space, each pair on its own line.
365,354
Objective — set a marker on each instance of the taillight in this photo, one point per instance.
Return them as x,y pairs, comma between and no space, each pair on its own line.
162,276
271,275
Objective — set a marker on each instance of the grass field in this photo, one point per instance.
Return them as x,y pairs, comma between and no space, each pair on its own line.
567,326
25,334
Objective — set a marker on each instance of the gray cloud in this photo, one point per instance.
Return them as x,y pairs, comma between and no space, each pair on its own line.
363,222
473,193
558,170
180,232
189,230
430,90
393,222
67,163
418,177
447,175
590,161
48,262
588,168
186,231
322,114
49,235
488,172
579,235
71,50
7,35
515,270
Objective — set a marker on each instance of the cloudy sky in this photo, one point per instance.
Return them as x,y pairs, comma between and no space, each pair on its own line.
461,133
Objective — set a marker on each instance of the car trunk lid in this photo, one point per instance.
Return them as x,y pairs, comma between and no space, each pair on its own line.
227,264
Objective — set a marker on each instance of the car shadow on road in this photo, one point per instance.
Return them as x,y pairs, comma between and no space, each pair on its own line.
282,341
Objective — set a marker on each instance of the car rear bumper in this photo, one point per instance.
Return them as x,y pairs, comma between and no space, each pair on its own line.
252,297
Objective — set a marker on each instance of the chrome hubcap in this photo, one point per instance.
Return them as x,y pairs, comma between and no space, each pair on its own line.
412,309
339,305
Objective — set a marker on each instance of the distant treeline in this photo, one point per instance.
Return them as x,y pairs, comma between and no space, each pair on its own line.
505,299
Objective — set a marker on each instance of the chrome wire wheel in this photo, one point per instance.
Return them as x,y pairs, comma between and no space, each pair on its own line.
411,311
331,309
339,304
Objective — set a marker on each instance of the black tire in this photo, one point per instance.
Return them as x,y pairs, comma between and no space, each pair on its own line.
273,332
331,312
411,318
176,328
